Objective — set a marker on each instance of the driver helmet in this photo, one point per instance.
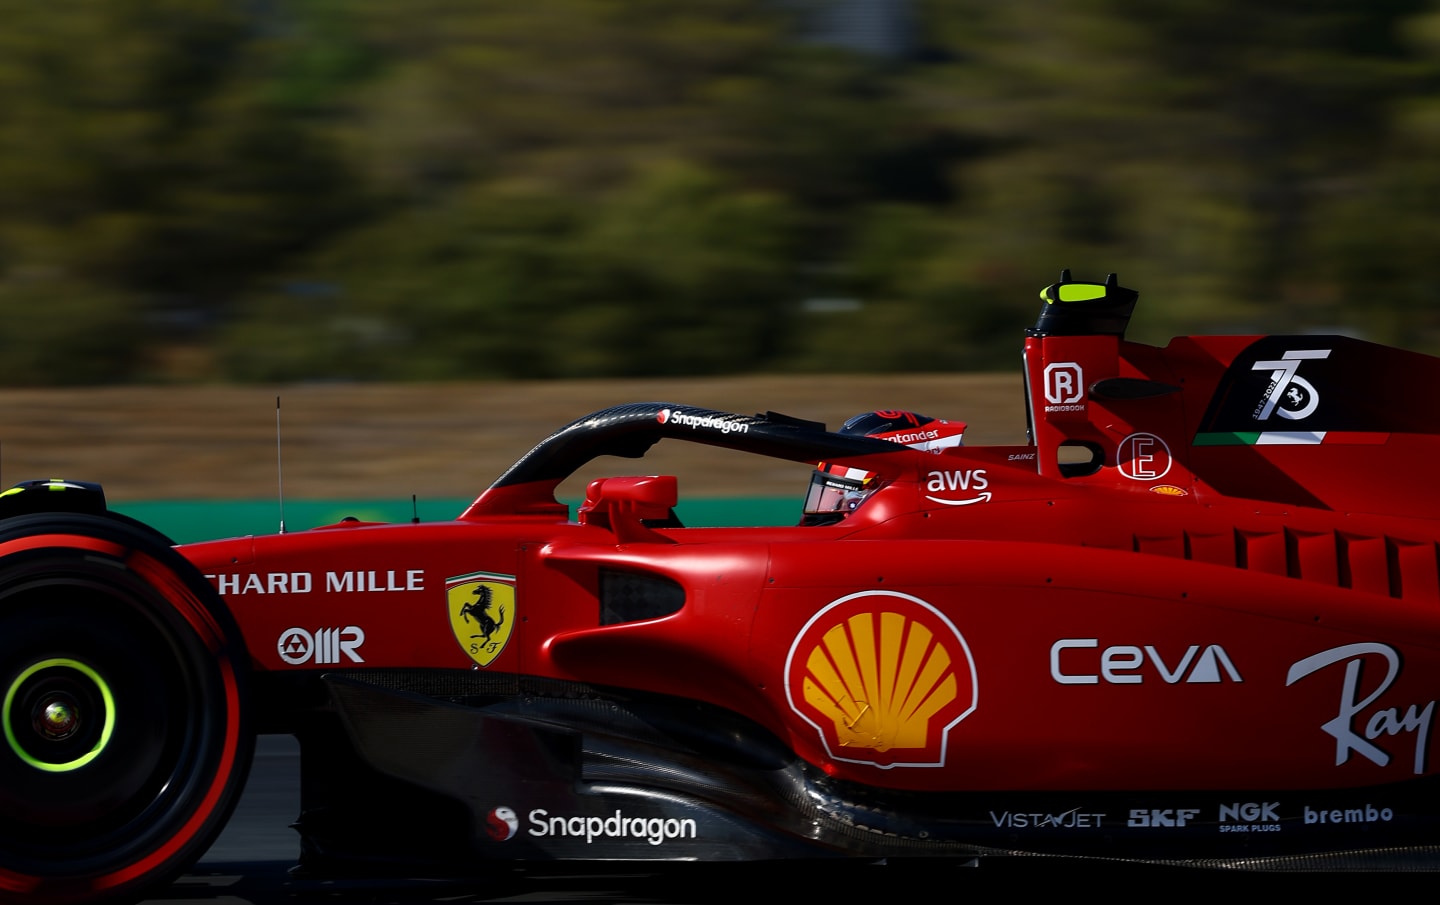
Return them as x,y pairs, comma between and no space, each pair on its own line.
837,489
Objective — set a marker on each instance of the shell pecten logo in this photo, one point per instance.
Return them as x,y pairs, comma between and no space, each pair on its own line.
883,677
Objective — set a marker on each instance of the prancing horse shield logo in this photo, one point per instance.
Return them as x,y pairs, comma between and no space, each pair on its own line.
482,613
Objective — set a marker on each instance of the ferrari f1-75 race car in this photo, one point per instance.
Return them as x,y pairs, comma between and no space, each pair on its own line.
1196,619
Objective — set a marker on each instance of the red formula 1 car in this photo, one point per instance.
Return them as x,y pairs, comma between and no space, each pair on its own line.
1196,619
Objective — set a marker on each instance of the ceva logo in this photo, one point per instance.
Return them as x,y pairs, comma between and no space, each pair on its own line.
883,678
1071,663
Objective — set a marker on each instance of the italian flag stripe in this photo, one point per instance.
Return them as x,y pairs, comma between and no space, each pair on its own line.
1291,438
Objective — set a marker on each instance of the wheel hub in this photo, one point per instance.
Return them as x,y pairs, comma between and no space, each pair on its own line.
70,710
57,716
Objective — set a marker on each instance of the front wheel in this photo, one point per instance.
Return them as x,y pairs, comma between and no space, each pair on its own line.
124,741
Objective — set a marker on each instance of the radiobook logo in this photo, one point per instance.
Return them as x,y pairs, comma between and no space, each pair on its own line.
1064,386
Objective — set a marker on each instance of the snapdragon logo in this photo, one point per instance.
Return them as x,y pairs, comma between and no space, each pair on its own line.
654,830
709,422
502,824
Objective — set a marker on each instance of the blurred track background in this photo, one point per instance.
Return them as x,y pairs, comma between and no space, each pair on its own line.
201,461
322,190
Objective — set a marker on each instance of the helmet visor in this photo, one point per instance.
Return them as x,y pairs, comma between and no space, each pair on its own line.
835,488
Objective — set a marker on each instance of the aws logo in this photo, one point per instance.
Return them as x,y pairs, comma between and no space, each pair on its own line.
971,480
882,677
482,613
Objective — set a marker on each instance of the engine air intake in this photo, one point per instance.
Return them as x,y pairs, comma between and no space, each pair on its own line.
635,596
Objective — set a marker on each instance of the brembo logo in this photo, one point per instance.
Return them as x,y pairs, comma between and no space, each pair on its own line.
708,422
298,647
882,677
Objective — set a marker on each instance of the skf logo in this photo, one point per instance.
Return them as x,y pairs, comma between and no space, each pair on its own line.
482,613
298,647
1289,395
882,677
1064,383
1156,818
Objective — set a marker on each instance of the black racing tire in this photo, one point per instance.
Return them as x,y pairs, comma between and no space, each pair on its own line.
124,734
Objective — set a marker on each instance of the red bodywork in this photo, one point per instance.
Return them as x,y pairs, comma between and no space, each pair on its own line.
1196,619
1208,599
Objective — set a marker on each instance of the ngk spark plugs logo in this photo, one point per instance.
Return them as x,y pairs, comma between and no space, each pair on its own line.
1289,395
325,645
482,613
1250,817
883,678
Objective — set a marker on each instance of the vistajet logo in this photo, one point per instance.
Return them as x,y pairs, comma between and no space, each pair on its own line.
1072,819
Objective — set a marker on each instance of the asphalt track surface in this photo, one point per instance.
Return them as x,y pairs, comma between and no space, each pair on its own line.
250,862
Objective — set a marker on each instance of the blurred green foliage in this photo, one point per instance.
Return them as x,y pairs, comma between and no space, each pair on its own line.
445,189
